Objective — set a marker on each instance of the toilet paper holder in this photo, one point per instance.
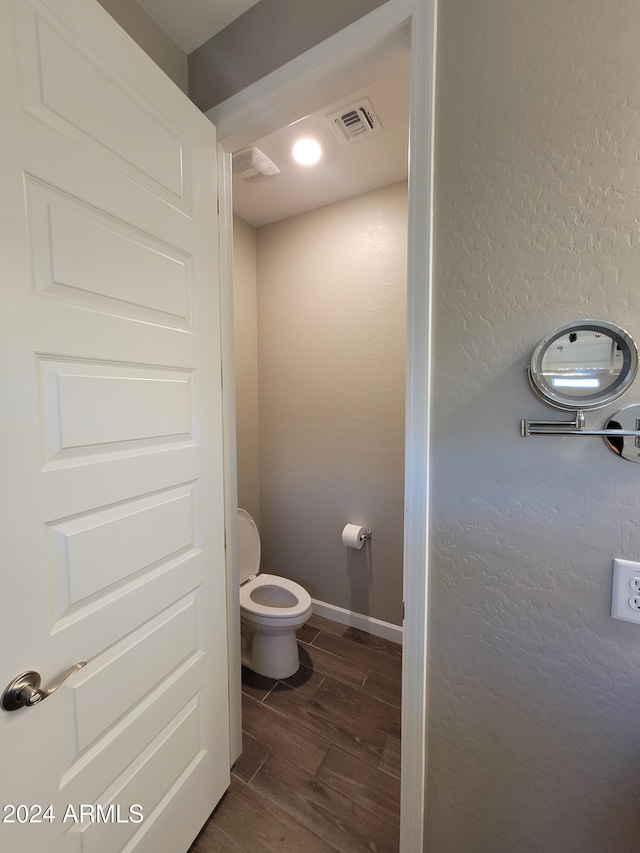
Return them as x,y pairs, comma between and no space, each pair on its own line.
355,536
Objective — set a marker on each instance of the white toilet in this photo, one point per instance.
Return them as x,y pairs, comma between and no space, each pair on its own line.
271,609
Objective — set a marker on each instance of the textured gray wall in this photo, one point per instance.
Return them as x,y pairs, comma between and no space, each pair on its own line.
265,37
534,741
331,351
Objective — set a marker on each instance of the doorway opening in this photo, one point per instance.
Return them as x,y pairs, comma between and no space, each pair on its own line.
320,282
275,102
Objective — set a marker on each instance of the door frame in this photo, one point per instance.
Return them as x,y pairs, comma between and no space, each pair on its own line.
260,109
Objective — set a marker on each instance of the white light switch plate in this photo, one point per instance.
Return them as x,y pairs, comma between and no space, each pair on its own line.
625,590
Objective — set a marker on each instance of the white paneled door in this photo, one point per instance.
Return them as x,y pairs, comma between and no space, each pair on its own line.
112,509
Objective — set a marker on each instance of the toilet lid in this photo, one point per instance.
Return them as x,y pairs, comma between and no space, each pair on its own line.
248,546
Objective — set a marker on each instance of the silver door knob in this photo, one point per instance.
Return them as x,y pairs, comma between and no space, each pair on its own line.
25,691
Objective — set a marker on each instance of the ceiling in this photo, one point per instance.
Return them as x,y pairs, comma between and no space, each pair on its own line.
192,23
344,171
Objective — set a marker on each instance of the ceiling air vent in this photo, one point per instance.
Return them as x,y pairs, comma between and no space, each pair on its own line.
354,122
250,164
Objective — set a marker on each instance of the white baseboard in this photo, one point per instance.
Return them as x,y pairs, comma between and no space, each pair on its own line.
358,620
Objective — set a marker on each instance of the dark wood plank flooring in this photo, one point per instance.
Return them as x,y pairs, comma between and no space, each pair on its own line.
320,768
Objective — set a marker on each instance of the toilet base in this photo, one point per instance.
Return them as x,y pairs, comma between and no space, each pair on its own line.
271,655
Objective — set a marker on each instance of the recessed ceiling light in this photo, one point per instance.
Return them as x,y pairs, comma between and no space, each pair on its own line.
306,152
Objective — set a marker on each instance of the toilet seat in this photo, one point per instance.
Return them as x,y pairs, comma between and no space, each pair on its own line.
288,598
271,610
274,611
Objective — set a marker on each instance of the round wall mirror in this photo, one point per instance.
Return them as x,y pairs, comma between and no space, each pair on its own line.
583,365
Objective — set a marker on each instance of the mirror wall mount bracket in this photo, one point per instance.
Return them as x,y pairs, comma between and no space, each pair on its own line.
577,427
528,427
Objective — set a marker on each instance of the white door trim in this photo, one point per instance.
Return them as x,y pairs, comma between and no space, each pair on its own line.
225,249
264,107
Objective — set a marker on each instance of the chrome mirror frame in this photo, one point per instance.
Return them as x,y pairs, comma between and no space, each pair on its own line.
598,399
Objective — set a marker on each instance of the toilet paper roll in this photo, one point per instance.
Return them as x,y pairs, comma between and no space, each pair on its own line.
352,536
